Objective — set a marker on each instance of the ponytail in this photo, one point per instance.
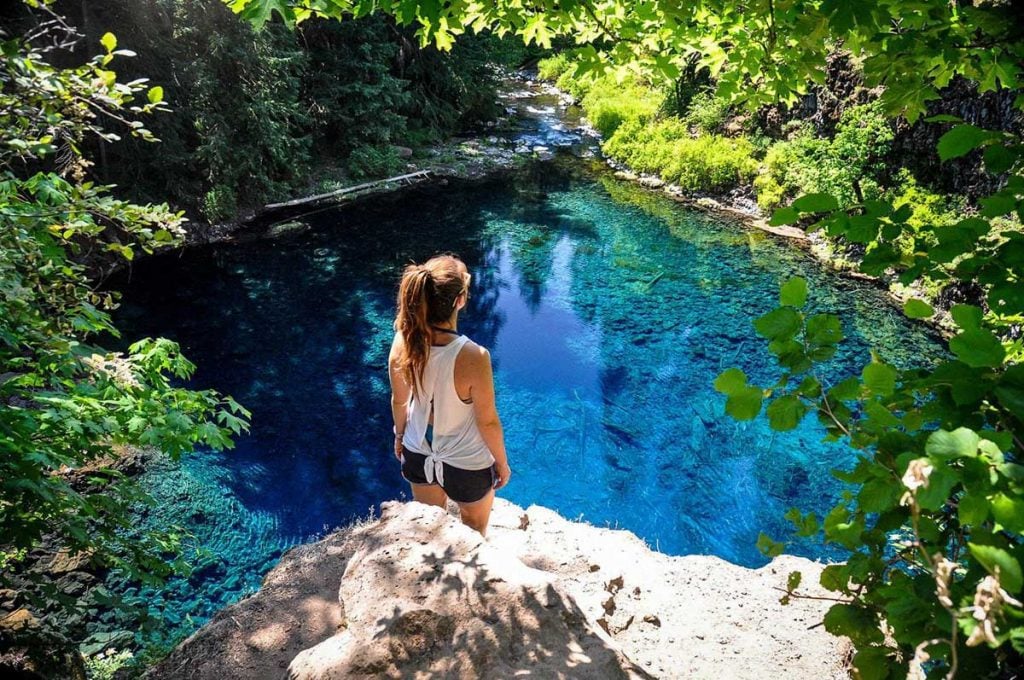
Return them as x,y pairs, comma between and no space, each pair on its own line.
412,323
426,297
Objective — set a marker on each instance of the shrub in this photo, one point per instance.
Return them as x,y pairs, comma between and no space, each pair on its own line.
645,147
105,666
929,208
553,67
68,405
576,86
784,169
220,203
609,103
710,163
374,161
707,112
704,163
853,160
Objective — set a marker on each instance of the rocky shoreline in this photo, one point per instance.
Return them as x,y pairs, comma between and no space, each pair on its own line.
739,205
500,147
414,593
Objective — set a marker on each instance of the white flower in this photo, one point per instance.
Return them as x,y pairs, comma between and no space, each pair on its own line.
989,599
943,575
114,366
915,477
917,474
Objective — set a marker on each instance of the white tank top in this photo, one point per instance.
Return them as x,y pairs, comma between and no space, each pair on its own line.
456,438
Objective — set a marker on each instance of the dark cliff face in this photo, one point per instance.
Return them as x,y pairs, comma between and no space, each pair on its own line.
823,106
914,146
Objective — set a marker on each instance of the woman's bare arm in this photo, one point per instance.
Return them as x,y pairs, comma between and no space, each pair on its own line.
486,412
399,393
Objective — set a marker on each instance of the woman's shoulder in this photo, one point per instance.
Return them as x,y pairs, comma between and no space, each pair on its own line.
397,345
472,353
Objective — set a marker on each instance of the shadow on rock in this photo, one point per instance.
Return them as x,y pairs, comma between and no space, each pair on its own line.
427,597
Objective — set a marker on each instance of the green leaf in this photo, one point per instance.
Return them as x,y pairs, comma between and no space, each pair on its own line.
155,95
993,559
809,387
968,317
846,390
1006,298
730,381
917,309
857,623
972,509
815,203
824,329
873,663
786,412
794,292
959,443
779,324
879,495
768,547
835,577
841,529
961,140
1009,512
1012,398
978,348
784,216
804,525
998,205
744,404
936,493
880,378
109,42
793,580
998,159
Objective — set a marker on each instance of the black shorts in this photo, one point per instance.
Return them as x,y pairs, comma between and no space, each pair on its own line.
462,486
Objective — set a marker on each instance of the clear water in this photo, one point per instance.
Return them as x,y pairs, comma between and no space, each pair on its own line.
604,374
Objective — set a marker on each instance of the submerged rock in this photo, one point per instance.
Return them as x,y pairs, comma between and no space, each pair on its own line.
417,594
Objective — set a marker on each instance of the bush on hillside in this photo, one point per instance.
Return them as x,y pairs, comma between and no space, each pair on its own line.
851,166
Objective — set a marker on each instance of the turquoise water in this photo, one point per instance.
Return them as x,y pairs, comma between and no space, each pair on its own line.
608,311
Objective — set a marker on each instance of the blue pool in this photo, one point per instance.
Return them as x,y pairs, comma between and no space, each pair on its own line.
609,311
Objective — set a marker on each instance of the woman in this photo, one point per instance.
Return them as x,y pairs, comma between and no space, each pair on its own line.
447,433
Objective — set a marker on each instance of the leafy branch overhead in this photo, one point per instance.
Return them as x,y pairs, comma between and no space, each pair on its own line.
67,404
762,52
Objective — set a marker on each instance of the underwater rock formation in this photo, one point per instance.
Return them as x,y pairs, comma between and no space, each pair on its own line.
417,594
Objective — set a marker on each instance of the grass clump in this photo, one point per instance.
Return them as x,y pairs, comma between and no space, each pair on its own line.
609,103
666,147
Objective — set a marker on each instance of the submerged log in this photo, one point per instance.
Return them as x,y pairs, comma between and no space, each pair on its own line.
419,174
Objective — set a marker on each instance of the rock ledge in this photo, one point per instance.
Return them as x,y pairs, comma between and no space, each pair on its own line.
415,594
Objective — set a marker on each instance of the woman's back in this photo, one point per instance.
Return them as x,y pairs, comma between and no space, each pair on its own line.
449,385
456,438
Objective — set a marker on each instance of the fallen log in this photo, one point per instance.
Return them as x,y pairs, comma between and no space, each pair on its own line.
419,174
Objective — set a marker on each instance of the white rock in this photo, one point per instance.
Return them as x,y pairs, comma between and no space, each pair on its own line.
417,594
